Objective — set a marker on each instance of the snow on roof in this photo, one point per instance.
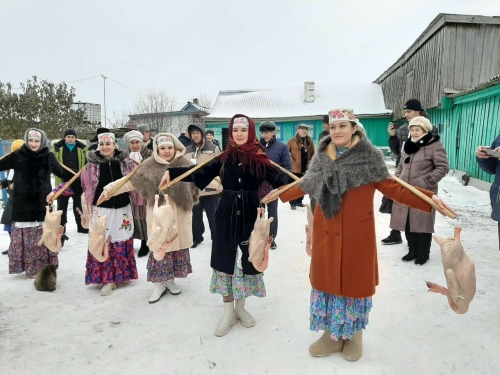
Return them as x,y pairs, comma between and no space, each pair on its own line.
366,99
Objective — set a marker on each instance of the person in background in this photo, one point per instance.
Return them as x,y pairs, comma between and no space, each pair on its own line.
94,146
8,184
302,150
211,138
487,158
397,138
326,128
138,152
423,164
146,135
277,152
184,139
70,152
198,152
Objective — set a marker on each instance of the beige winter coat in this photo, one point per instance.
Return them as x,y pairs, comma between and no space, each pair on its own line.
182,217
424,169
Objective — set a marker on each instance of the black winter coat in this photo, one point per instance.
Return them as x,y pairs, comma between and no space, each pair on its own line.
32,172
7,210
237,211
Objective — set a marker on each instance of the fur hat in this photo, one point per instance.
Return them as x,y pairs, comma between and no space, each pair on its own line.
267,126
143,128
99,131
414,105
341,114
422,122
133,135
16,145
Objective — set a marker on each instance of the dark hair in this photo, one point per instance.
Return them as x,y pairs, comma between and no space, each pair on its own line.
326,119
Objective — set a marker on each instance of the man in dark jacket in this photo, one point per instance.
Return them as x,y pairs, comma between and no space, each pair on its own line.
326,128
70,152
210,138
397,139
278,152
184,139
198,152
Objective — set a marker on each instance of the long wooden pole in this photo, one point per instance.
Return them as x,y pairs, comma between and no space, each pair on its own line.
277,193
421,195
185,174
117,187
68,169
292,176
67,185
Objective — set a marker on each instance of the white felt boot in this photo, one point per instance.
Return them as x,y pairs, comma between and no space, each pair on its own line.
159,290
242,315
172,287
228,320
107,289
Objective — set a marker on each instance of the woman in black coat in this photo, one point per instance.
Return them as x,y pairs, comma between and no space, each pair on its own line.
33,164
242,168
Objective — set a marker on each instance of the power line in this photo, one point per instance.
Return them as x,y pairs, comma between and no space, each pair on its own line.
130,88
84,79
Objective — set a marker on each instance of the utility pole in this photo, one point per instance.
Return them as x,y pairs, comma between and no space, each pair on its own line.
105,118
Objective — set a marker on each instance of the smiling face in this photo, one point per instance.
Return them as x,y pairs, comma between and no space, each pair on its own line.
34,144
416,132
166,152
197,137
107,149
210,137
135,145
341,133
240,135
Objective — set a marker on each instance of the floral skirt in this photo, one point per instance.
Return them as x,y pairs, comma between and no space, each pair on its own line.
342,316
118,268
24,253
238,284
175,264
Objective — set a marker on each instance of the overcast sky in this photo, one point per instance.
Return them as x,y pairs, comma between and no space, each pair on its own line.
192,47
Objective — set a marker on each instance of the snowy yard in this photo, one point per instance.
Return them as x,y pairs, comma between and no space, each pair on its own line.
76,331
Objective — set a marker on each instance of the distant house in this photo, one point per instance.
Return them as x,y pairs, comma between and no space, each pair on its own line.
289,107
455,53
174,121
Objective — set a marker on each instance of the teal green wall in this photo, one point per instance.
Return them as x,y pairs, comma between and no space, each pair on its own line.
376,128
473,120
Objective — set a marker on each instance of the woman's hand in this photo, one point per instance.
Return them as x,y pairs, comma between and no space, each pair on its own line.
104,195
441,204
481,154
267,199
49,197
165,180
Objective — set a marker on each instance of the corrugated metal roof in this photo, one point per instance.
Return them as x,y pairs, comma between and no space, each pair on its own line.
365,99
491,82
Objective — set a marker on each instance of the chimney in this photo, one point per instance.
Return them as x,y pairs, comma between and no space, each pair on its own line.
309,92
195,101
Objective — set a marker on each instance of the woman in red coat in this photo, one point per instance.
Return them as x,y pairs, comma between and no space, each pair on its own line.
341,181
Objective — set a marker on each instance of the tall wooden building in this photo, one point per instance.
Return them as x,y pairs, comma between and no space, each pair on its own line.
454,53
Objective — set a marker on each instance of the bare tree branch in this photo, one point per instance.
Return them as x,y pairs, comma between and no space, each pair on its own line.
154,106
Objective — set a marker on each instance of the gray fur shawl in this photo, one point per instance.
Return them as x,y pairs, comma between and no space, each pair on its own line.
147,179
327,180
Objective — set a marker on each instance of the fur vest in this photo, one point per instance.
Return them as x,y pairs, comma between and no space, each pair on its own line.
329,177
147,179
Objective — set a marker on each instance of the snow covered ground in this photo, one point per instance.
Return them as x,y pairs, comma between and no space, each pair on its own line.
76,331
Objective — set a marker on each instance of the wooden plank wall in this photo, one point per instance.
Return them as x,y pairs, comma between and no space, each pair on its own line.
458,56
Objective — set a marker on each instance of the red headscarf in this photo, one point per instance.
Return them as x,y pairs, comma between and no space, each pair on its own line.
252,154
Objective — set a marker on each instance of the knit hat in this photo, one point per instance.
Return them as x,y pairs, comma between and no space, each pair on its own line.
69,132
341,114
414,105
107,137
99,131
267,126
303,126
326,119
16,145
422,122
133,135
240,121
210,131
143,128
36,134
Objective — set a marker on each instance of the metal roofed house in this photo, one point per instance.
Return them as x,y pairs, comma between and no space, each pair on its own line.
174,121
288,107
